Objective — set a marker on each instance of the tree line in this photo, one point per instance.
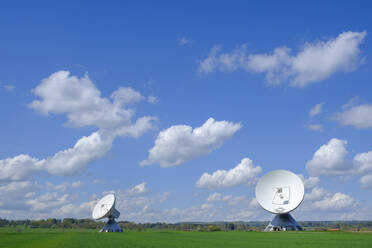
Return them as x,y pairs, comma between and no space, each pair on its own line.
71,223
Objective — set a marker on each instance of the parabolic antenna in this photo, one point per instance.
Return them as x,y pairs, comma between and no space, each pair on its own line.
105,208
280,192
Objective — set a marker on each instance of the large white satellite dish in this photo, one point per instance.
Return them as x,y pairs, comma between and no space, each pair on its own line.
280,192
105,208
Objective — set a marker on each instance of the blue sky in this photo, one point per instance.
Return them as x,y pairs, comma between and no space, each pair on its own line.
210,95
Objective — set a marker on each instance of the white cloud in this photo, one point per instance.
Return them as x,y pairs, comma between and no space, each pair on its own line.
24,200
309,182
254,203
352,101
152,99
180,143
61,187
338,201
315,127
316,109
82,210
218,207
81,101
366,181
316,194
183,41
77,184
237,200
126,95
19,168
69,162
139,189
363,162
358,116
73,161
142,125
329,205
277,65
14,194
330,159
245,173
314,62
214,197
47,201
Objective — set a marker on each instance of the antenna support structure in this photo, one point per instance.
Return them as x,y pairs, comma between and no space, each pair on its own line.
283,222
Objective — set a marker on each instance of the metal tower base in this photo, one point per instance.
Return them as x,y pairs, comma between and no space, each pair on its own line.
283,222
111,226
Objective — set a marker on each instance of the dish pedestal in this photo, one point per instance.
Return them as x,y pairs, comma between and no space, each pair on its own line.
111,226
283,222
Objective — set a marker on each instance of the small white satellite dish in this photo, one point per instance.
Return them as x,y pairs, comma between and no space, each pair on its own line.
280,192
105,208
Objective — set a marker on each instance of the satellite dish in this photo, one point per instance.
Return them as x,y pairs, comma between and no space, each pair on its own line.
105,208
280,192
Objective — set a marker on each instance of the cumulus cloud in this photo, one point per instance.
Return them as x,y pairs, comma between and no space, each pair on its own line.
47,201
309,182
245,173
69,162
80,210
366,181
178,144
81,101
83,105
19,168
142,125
330,159
73,160
14,194
316,193
338,201
139,189
314,62
219,207
316,109
363,162
357,116
33,201
328,203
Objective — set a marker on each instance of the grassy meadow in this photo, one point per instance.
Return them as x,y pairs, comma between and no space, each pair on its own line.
16,237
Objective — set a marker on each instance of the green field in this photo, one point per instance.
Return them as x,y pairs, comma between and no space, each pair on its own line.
13,237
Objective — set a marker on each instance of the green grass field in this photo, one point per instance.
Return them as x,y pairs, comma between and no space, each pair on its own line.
11,237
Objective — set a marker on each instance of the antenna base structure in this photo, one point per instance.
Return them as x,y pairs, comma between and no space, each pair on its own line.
283,222
111,226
